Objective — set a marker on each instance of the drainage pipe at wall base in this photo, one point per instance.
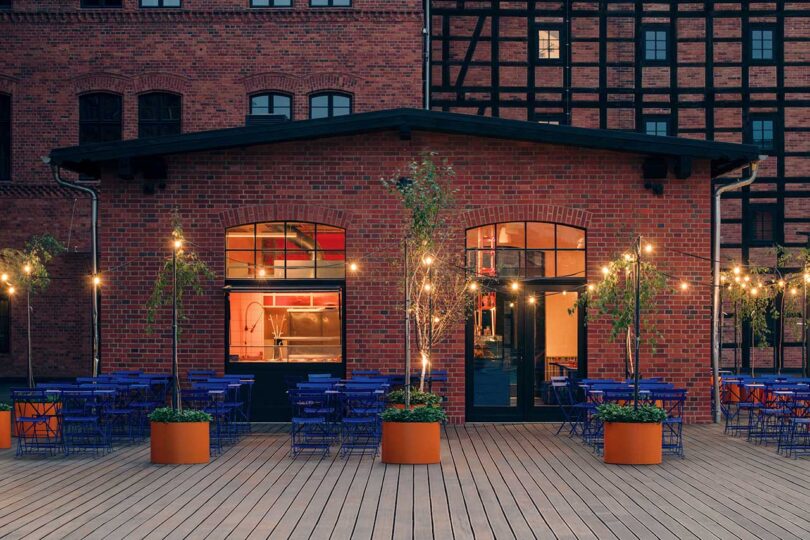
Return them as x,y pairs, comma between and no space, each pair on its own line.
94,247
716,307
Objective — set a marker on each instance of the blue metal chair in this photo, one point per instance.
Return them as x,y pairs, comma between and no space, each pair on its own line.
211,401
562,396
361,429
673,402
37,421
309,427
83,421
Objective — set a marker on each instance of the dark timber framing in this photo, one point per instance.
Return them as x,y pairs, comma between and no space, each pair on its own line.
618,96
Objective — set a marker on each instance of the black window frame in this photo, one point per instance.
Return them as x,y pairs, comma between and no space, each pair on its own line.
5,323
760,209
763,117
271,93
329,4
331,106
160,5
142,124
102,4
86,125
667,48
563,50
6,134
659,118
775,51
271,4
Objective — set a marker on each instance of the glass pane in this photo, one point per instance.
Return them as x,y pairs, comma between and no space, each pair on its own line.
300,264
282,105
540,235
271,265
570,238
239,264
481,237
239,237
270,235
319,107
481,262
330,238
496,351
540,264
509,262
512,235
556,331
260,104
300,326
570,264
331,264
342,105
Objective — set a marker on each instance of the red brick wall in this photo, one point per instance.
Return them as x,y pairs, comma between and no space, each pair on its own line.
337,180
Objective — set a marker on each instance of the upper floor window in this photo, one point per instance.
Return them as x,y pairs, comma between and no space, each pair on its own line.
5,323
656,126
329,105
549,43
158,114
5,137
762,132
160,3
330,3
101,3
762,224
655,44
285,250
270,3
526,249
99,118
271,103
762,44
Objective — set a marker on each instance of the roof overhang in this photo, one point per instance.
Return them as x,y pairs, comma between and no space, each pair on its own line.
724,157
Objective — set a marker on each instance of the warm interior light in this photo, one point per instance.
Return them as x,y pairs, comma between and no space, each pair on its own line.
353,267
428,260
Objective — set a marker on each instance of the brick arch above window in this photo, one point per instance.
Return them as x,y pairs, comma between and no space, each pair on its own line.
101,82
563,215
271,81
322,82
286,212
160,82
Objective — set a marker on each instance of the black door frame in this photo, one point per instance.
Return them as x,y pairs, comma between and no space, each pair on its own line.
269,398
525,409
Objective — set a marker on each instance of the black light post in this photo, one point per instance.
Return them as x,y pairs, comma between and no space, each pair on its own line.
637,321
402,184
178,244
805,310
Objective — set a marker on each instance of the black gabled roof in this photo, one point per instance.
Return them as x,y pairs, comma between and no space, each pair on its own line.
725,157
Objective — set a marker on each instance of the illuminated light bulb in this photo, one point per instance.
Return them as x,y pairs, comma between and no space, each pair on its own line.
27,268
729,286
11,290
684,285
591,286
628,257
511,304
565,292
178,244
262,272
428,287
722,279
605,270
736,270
747,279
794,291
428,260
4,277
807,278
743,285
754,291
648,248
515,285
781,282
736,279
96,280
436,319
531,299
353,267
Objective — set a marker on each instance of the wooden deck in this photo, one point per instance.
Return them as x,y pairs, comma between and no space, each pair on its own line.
495,481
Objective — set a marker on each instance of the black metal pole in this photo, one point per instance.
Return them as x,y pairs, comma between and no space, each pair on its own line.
637,321
175,378
30,360
805,336
407,330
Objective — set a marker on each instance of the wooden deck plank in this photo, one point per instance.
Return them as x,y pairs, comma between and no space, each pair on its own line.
494,481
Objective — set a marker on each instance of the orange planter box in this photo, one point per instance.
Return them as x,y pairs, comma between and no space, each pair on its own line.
411,443
633,443
5,429
180,443
29,410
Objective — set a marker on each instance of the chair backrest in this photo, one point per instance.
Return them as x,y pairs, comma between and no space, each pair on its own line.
313,376
672,400
362,403
306,403
561,391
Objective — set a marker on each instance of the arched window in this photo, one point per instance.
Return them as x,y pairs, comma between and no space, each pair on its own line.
526,250
99,117
158,114
285,250
271,103
329,104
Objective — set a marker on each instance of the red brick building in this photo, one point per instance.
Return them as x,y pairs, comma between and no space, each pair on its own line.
560,200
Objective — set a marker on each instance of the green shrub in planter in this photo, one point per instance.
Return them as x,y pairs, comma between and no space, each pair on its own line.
169,415
5,407
645,414
417,398
419,414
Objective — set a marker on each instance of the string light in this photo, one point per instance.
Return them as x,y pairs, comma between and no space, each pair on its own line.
511,304
515,285
737,270
262,272
794,291
684,285
4,277
428,260
531,300
178,243
428,287
648,248
591,286
473,286
605,270
96,281
11,290
628,257
781,283
565,292
436,319
754,291
747,279
737,279
27,268
353,267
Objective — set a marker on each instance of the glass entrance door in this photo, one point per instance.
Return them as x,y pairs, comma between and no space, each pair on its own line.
517,341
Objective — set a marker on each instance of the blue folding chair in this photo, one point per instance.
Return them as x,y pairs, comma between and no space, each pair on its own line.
673,402
310,429
361,429
37,421
84,426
